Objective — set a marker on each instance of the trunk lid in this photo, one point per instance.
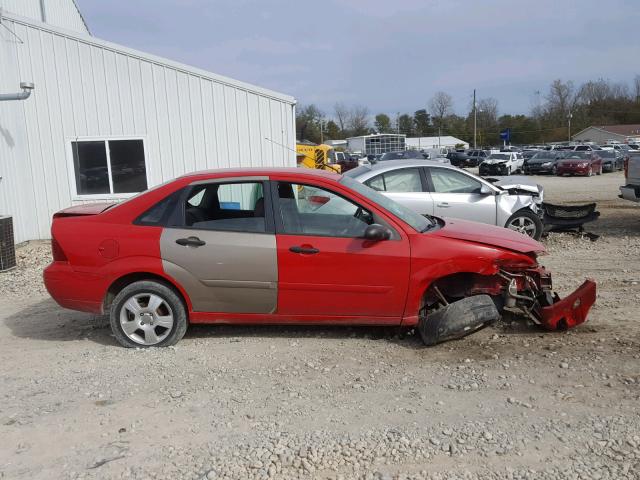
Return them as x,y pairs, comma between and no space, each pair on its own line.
85,209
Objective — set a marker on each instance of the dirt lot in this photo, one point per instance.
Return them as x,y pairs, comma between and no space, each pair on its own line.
269,402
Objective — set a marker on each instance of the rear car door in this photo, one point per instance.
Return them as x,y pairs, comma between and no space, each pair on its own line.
327,270
220,246
407,186
458,195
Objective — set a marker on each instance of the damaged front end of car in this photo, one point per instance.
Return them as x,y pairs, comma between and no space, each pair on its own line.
523,290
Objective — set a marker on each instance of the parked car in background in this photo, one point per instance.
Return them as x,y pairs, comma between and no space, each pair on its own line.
476,157
503,163
579,163
459,158
297,246
526,154
544,161
631,189
431,188
612,160
586,148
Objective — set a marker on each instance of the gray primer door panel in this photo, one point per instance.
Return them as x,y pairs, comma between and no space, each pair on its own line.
233,272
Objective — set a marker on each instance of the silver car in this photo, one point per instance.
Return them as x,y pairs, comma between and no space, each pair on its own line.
431,188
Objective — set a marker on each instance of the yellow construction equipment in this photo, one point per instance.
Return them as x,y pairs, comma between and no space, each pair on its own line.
310,155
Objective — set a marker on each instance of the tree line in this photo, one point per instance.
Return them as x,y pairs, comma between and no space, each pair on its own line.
596,102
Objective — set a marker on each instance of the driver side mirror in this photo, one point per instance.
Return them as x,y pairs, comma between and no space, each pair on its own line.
485,190
376,233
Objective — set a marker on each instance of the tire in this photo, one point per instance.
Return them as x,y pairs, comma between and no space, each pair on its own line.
554,170
526,222
155,309
599,172
590,172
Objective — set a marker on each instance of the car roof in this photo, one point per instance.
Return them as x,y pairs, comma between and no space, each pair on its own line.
261,172
393,164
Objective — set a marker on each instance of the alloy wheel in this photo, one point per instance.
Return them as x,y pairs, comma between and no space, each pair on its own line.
146,319
523,225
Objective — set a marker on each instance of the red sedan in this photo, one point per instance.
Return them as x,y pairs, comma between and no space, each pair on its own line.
580,163
278,246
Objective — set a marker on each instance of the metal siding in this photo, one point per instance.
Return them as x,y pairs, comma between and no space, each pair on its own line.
84,89
60,13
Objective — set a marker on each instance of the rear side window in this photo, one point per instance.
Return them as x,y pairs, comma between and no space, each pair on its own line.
450,181
159,214
398,181
235,207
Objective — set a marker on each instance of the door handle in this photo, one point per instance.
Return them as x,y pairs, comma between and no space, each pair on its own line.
190,242
305,250
443,205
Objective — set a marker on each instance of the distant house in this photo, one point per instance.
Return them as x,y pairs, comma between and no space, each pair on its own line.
609,133
377,143
445,141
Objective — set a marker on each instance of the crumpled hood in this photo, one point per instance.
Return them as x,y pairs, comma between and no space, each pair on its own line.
489,235
494,161
519,182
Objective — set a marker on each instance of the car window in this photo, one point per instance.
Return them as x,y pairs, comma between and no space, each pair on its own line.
449,181
236,207
403,180
311,210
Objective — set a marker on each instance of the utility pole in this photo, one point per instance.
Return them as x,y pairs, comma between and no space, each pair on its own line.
321,131
475,120
569,117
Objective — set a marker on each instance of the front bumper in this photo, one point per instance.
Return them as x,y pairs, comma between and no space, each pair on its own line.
571,170
571,310
629,192
538,168
493,169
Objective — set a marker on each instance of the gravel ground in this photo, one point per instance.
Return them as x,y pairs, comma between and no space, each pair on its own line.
510,402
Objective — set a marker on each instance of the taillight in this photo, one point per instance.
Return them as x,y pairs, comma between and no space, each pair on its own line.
626,167
57,252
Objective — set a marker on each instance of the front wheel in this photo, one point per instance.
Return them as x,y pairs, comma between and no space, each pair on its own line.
148,314
527,223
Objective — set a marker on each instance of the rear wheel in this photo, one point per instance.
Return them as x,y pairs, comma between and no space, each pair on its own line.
148,314
527,223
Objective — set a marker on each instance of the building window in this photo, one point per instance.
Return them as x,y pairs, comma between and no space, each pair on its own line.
106,167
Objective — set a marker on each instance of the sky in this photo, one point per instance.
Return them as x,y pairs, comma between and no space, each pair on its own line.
389,55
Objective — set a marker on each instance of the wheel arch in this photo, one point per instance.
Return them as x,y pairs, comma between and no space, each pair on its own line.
127,279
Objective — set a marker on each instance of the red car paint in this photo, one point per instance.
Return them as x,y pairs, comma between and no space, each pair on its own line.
351,281
583,166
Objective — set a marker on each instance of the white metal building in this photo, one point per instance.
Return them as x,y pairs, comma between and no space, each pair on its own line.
105,121
376,143
443,141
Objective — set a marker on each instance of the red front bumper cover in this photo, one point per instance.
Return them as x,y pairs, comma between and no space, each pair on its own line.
571,310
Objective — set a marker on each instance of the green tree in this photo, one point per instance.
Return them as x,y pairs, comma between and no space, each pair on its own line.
405,125
422,123
332,131
308,123
383,123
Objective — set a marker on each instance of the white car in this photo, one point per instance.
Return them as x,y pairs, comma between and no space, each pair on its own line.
503,163
431,188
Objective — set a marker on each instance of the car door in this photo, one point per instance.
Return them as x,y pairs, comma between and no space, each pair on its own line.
221,246
327,270
458,195
407,186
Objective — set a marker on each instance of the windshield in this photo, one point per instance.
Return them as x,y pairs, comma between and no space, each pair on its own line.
544,156
401,155
500,156
415,220
607,153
